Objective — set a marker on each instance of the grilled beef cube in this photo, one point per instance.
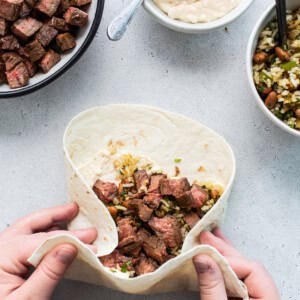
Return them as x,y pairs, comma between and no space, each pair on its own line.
31,67
48,7
65,41
46,34
76,17
141,179
10,9
143,234
152,200
116,258
64,5
2,72
174,187
11,59
9,42
195,198
3,27
143,211
18,76
25,10
155,183
106,191
146,265
155,248
80,2
31,2
191,219
168,229
58,24
35,51
50,59
25,28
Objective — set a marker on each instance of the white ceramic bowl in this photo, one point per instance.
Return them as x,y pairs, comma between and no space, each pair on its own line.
268,15
83,37
198,28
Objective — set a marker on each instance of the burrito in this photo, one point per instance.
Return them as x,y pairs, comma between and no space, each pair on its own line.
150,181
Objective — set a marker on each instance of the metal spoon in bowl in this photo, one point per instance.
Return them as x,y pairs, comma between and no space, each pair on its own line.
118,26
281,19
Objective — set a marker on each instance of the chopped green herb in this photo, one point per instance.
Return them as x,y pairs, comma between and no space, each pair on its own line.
261,88
113,270
124,268
293,125
121,172
289,65
263,76
272,58
122,194
177,160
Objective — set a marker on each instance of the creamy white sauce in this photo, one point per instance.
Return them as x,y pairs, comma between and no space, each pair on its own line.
196,11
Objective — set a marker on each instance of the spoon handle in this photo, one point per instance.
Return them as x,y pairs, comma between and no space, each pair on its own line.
118,26
281,19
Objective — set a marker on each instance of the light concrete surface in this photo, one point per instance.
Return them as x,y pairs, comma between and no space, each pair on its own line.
202,77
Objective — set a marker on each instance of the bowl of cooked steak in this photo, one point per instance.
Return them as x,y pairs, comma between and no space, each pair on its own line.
42,39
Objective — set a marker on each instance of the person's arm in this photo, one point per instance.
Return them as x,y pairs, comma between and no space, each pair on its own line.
17,243
211,284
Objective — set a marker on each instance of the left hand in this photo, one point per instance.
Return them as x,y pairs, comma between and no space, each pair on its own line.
18,242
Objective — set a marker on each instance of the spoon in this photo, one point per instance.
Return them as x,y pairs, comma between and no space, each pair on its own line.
118,26
281,19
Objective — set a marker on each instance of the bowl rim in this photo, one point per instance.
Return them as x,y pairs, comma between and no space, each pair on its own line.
249,54
197,28
53,77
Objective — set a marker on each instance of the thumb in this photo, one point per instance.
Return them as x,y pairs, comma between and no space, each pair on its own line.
49,272
210,280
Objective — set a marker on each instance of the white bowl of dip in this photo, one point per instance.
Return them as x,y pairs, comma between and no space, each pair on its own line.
212,16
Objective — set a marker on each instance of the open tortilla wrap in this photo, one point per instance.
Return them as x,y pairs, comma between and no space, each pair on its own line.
92,140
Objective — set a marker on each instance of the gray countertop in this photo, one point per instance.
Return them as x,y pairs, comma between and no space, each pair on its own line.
202,77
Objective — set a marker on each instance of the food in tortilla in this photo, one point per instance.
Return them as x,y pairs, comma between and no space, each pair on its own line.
153,214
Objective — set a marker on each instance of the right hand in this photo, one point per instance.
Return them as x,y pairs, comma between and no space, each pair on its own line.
211,284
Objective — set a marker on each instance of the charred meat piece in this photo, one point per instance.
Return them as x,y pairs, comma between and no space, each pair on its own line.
76,17
191,219
143,211
155,183
9,42
46,34
3,26
174,187
31,67
25,10
80,2
50,59
116,258
2,72
34,50
155,248
194,198
168,229
146,265
18,76
10,9
152,200
48,7
141,179
25,28
106,191
65,41
143,234
31,2
11,59
64,5
59,24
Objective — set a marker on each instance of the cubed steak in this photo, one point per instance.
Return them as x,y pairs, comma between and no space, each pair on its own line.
25,28
143,211
31,67
155,248
195,198
143,234
141,179
76,17
191,219
3,27
2,72
64,5
152,200
114,259
155,183
168,229
11,59
18,76
65,41
10,9
34,50
59,24
25,10
105,191
31,2
80,2
9,42
146,265
46,34
174,187
50,59
48,7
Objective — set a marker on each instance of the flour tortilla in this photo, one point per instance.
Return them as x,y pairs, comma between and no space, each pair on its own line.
92,140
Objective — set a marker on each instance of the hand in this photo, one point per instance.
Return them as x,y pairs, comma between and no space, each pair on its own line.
18,242
211,284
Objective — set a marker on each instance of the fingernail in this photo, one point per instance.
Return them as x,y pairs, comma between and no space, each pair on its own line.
66,256
201,267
